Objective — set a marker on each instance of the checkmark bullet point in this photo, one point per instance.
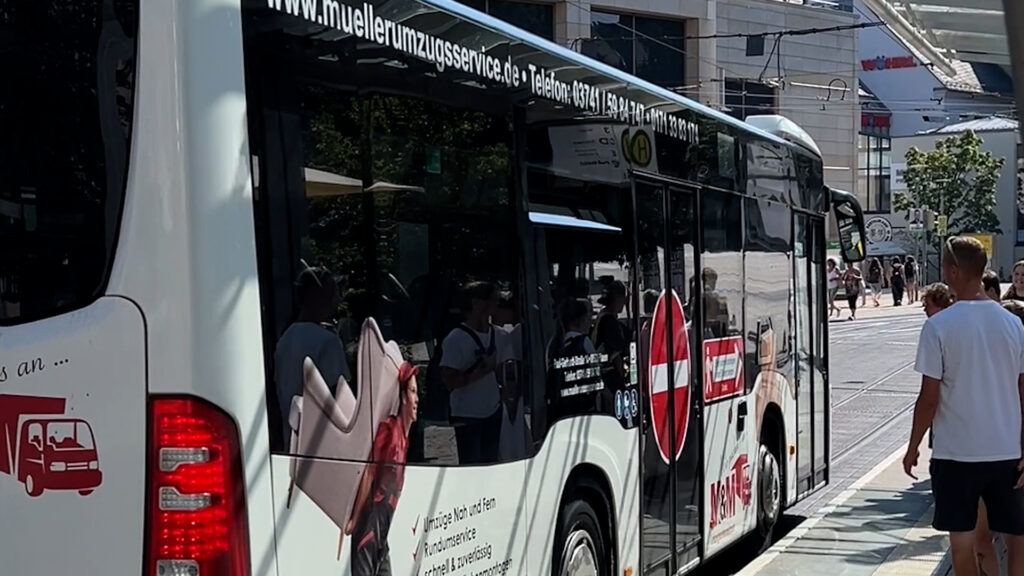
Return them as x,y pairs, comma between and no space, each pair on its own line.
416,526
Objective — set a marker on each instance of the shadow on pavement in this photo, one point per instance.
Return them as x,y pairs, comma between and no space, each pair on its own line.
733,559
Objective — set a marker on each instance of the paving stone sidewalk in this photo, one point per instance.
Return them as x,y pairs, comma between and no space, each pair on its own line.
881,527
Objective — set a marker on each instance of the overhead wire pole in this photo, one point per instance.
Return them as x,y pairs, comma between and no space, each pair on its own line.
1013,14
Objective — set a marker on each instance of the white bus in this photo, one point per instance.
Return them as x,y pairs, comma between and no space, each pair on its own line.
330,287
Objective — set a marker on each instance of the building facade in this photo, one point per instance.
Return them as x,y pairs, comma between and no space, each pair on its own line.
723,53
905,102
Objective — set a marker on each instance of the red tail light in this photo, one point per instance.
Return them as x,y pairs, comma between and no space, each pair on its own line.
197,521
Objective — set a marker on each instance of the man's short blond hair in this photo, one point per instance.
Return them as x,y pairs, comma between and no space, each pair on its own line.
968,254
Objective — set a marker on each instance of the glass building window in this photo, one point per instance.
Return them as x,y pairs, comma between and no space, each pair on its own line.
746,97
538,19
874,158
650,48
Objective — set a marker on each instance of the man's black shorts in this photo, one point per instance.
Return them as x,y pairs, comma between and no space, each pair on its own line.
958,486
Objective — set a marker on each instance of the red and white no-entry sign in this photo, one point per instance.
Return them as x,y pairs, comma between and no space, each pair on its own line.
659,379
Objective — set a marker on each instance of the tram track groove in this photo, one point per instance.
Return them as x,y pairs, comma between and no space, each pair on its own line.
869,387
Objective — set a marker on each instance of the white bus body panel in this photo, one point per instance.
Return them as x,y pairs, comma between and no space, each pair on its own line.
505,515
95,360
186,253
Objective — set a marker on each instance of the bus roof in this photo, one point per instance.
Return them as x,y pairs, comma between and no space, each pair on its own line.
500,26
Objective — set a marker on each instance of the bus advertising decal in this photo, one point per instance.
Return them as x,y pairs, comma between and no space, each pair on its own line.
44,449
364,22
736,485
659,393
723,368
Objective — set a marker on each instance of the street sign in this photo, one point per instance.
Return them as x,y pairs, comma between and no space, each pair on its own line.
659,380
916,219
899,177
942,225
723,368
986,241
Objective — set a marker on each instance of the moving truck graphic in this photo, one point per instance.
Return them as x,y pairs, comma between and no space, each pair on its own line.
45,450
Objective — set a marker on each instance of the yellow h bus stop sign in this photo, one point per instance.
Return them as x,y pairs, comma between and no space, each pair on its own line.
986,241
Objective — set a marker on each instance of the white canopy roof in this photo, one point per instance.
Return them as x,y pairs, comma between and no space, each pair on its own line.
965,30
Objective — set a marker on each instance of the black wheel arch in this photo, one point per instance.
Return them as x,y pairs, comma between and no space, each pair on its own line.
590,483
773,435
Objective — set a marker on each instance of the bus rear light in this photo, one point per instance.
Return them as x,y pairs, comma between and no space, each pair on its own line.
171,499
197,520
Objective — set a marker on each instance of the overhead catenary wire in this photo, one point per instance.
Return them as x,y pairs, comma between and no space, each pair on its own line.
779,34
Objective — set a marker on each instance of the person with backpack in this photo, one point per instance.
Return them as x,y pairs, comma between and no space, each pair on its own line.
897,281
910,275
468,370
852,284
874,279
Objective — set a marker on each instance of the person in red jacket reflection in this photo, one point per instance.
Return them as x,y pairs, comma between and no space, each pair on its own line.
382,482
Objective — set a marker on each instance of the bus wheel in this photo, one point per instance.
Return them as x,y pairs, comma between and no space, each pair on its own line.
769,493
32,487
581,541
84,492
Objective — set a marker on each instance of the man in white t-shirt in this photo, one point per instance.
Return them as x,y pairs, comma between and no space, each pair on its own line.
971,360
318,296
468,363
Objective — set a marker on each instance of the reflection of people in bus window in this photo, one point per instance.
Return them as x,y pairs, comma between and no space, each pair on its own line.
575,316
610,335
381,485
571,341
716,307
514,443
468,363
318,297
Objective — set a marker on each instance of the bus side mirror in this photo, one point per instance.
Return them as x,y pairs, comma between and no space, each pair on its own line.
850,225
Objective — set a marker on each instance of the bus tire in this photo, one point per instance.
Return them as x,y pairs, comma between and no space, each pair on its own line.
769,494
581,548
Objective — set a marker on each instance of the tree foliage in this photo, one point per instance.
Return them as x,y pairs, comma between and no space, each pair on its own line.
957,178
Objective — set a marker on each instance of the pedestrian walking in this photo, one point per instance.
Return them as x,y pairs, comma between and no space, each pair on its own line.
833,286
990,282
971,361
910,275
897,281
874,278
853,282
1016,289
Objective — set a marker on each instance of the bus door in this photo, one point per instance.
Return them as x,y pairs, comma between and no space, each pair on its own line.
670,497
811,406
730,435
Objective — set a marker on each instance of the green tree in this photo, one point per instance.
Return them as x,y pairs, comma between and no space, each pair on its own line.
958,179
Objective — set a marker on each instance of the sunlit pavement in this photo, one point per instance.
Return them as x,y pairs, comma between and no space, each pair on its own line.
880,526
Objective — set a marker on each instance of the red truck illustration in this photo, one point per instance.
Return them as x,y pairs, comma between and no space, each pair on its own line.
45,450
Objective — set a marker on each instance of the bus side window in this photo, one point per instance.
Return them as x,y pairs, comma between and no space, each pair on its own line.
403,308
585,349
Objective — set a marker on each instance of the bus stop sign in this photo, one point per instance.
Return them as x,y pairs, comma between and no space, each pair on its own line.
659,377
